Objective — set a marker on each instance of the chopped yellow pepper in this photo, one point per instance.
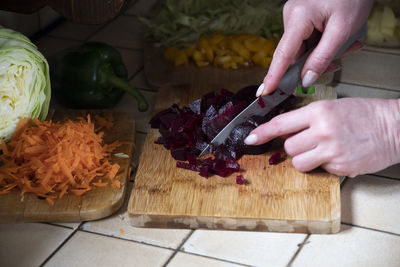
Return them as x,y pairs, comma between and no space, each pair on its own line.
226,51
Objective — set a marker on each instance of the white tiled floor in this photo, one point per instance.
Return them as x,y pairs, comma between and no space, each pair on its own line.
86,249
353,246
189,260
29,244
370,235
257,249
365,197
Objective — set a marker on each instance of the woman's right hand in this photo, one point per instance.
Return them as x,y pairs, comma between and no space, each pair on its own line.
337,20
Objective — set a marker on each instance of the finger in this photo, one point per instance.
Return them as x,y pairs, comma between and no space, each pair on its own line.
309,160
300,143
357,45
285,53
332,39
333,67
283,124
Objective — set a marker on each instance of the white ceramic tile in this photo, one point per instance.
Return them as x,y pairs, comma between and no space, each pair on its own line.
49,45
119,225
29,244
140,81
68,225
47,15
371,202
75,31
253,248
141,7
125,32
128,104
27,24
351,247
133,60
372,69
190,260
393,172
87,249
351,90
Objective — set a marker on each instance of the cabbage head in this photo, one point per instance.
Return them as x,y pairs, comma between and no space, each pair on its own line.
24,81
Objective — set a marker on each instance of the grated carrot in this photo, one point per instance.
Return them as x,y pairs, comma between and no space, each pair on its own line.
51,159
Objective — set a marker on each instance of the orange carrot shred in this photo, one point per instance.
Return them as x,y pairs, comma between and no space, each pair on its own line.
51,159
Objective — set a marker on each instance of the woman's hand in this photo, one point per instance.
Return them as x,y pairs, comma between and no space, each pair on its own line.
348,136
337,20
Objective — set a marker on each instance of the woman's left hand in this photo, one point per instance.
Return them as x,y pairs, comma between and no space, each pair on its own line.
348,136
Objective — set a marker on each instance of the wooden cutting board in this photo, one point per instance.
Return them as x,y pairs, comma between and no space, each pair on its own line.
278,198
97,203
160,72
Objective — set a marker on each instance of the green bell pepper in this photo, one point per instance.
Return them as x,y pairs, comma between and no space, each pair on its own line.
92,75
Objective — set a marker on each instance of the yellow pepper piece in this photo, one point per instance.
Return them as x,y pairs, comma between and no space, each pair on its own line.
240,49
215,39
181,58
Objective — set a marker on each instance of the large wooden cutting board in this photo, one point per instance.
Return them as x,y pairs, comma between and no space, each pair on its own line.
278,198
97,203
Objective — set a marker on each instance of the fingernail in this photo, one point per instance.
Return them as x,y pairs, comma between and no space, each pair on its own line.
260,90
309,78
251,139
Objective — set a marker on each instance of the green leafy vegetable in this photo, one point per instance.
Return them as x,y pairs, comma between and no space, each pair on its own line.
180,22
24,81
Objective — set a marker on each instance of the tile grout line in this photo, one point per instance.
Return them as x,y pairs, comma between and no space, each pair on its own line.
384,177
124,239
336,82
213,258
61,245
178,248
371,229
301,245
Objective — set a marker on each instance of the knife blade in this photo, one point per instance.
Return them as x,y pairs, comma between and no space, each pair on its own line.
286,87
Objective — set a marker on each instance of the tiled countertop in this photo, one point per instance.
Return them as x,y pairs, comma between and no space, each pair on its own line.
370,233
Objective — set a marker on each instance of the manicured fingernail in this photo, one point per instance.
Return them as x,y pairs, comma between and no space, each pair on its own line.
309,78
251,139
260,90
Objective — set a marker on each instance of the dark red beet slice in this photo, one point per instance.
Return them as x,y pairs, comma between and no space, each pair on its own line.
187,166
191,157
276,158
204,171
240,179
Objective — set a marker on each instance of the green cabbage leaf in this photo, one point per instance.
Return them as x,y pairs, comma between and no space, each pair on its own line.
24,81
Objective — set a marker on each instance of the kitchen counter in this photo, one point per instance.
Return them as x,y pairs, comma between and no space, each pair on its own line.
370,232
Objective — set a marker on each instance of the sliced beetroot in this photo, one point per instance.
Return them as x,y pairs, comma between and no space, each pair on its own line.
191,158
187,131
187,166
214,126
276,158
195,106
247,94
179,153
204,171
232,165
240,179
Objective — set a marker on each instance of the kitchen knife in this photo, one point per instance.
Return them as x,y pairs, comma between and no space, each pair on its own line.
286,87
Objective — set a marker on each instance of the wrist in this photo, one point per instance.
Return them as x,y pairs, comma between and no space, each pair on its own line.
393,130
